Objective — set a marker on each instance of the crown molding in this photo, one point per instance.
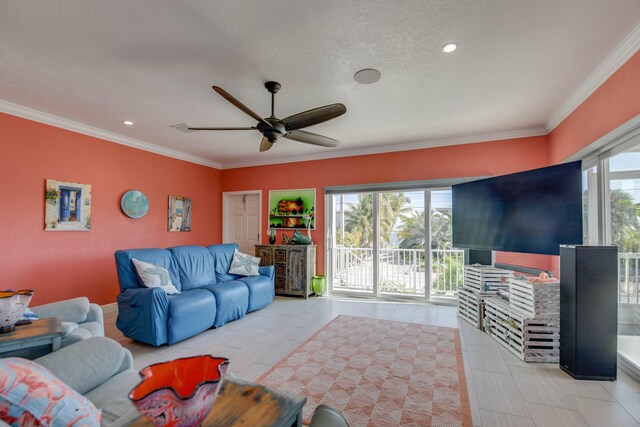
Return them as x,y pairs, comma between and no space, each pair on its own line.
390,148
60,122
50,119
619,139
625,50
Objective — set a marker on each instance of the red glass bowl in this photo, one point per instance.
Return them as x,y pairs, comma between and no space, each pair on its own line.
181,392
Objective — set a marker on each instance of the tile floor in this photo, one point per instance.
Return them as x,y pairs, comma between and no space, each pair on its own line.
503,390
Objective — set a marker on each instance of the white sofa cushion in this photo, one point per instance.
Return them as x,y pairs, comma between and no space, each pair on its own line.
244,265
154,276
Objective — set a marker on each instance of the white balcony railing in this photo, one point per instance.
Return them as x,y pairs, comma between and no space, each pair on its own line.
401,271
628,269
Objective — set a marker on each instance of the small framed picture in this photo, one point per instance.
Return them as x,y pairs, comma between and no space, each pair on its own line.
179,213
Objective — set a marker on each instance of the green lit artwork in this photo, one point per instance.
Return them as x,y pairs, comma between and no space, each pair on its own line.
292,208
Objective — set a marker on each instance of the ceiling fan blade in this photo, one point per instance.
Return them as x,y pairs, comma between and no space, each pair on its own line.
265,145
226,95
312,138
313,117
208,128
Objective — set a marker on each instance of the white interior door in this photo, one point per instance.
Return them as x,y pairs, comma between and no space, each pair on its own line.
243,227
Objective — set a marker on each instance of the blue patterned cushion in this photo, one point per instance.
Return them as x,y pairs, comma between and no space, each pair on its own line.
30,395
244,265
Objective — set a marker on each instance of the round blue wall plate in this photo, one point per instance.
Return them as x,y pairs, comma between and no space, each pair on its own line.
134,204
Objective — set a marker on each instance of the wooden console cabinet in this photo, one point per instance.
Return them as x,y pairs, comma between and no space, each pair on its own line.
295,265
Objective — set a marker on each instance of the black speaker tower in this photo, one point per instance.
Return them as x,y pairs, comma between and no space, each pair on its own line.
589,311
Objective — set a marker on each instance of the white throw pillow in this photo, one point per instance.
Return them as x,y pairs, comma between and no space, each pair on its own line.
154,276
244,265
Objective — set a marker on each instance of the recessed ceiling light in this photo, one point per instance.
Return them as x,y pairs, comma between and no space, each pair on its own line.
367,76
449,47
128,122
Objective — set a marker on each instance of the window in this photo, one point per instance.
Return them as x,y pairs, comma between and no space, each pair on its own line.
382,244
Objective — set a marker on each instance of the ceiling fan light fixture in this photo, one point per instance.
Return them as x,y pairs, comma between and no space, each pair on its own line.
272,128
367,76
449,47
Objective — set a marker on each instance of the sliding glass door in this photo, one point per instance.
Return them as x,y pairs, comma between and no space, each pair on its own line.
623,231
401,237
352,243
383,244
447,262
612,217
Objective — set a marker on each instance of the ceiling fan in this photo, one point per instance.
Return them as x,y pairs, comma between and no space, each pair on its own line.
273,128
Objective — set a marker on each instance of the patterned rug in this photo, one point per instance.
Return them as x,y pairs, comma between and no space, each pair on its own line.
379,373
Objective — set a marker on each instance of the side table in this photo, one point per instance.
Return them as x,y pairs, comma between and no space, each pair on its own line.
38,333
245,404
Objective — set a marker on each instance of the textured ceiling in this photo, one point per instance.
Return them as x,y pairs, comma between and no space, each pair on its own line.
153,62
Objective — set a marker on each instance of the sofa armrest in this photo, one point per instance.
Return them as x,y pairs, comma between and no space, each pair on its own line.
267,271
86,364
95,314
143,315
127,362
70,310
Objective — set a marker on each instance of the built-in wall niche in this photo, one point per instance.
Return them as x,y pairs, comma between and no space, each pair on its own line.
67,206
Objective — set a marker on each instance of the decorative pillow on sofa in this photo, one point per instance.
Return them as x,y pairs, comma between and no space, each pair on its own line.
154,276
244,265
30,395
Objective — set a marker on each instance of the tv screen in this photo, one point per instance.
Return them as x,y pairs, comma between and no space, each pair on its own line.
533,212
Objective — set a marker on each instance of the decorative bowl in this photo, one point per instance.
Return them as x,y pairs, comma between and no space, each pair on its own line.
181,392
12,307
134,204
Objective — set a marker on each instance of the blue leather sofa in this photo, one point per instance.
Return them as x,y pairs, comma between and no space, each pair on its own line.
209,295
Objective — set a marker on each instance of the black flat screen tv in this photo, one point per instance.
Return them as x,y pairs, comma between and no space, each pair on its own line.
532,212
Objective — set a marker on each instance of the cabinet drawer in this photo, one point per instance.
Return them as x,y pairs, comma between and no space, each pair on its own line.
280,284
280,255
265,255
281,270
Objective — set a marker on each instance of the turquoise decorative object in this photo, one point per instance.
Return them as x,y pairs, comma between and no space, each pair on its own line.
134,204
319,285
300,239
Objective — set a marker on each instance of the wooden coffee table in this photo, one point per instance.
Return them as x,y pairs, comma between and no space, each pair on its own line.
246,404
38,333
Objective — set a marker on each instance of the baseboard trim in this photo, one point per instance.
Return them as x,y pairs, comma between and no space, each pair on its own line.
110,308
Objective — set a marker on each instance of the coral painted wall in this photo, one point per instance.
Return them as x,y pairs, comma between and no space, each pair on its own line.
479,159
613,103
60,265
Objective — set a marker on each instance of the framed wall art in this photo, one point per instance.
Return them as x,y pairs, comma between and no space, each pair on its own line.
292,209
67,206
179,213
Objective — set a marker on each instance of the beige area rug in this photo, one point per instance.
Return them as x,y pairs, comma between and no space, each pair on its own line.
379,373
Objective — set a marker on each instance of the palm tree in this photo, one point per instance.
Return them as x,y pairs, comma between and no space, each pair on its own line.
392,206
625,220
413,231
359,220
440,229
